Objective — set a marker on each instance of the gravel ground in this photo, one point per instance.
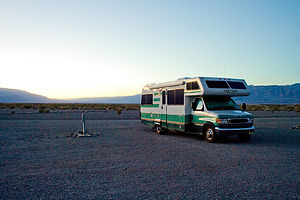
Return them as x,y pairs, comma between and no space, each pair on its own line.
127,160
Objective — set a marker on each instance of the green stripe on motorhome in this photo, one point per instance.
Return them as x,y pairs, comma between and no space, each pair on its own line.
156,99
200,120
193,91
181,119
155,93
164,117
152,106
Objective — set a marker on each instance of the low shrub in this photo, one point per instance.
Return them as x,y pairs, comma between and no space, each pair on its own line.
41,109
119,110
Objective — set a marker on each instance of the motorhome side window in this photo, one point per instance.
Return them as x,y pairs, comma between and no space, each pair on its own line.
217,84
236,85
199,104
147,99
192,86
175,97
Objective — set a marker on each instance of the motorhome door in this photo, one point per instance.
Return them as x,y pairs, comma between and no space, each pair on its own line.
163,109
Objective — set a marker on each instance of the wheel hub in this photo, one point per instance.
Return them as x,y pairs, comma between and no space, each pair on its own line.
209,133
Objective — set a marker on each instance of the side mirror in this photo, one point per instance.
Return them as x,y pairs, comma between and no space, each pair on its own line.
244,107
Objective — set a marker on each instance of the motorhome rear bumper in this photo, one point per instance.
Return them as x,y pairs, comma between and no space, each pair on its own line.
234,131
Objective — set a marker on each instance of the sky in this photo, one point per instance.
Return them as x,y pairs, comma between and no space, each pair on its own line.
91,48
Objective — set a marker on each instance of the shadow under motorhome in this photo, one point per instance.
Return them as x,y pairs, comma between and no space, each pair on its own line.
200,105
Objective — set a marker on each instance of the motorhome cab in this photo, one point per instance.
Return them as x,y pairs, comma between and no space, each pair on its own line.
200,105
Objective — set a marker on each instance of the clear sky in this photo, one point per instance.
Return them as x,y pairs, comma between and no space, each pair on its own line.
72,48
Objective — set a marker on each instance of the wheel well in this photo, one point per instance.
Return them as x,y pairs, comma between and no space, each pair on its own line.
206,125
156,124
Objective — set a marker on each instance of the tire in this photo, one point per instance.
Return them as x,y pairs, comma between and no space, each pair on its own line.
158,129
210,134
244,137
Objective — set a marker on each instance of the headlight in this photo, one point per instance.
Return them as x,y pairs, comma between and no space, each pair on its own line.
221,121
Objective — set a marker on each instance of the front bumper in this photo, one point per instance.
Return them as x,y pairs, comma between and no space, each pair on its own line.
234,131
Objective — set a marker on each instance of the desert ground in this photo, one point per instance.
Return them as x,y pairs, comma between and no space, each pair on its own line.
39,159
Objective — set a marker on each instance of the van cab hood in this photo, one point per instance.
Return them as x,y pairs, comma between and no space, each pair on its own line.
229,114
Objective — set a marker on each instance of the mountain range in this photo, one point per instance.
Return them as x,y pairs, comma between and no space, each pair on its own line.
270,94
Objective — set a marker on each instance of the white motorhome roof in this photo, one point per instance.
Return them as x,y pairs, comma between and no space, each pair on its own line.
167,84
207,86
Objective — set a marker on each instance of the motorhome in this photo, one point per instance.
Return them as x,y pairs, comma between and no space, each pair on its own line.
199,105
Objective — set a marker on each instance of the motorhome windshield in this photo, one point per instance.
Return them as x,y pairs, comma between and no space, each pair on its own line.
220,103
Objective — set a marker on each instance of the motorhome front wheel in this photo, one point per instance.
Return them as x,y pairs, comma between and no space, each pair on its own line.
210,134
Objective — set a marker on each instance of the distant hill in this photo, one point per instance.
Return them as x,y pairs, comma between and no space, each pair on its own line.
19,96
272,94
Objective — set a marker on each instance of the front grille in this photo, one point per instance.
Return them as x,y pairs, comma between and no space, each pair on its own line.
245,125
237,121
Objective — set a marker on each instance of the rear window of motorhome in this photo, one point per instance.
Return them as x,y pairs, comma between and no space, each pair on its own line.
192,85
236,85
147,99
175,97
217,84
